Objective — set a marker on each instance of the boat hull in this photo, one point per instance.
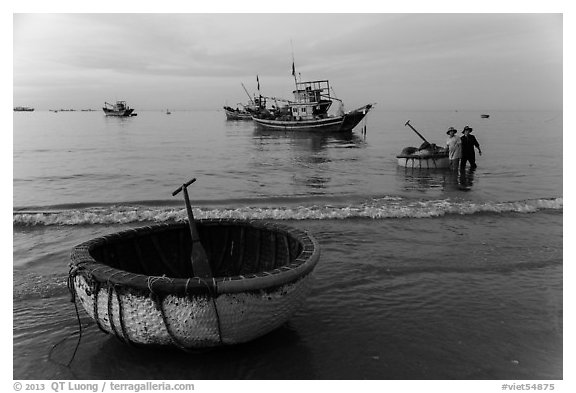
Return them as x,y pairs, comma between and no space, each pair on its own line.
233,115
343,123
263,273
433,162
123,113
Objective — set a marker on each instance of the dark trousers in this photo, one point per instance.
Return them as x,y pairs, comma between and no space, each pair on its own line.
471,159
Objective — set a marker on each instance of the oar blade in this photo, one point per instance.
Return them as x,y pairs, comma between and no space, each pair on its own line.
199,259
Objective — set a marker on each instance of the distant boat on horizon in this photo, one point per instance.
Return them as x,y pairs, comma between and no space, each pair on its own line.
23,109
119,109
485,116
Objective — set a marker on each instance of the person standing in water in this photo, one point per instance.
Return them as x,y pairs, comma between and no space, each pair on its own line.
468,142
453,144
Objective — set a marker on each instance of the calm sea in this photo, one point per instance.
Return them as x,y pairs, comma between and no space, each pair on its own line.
419,278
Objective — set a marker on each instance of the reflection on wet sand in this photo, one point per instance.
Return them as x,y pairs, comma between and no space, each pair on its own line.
113,359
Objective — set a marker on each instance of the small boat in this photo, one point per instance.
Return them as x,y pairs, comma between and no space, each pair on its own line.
144,285
168,112
309,111
237,114
485,116
118,109
427,156
431,157
23,109
248,110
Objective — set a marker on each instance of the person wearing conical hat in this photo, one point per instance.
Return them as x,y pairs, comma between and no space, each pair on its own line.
453,144
468,143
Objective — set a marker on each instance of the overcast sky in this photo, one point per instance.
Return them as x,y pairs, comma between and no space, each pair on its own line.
197,61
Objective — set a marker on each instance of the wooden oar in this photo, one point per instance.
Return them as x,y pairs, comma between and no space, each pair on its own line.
417,133
198,258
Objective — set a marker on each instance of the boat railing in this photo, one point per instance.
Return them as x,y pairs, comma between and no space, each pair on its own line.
120,104
329,97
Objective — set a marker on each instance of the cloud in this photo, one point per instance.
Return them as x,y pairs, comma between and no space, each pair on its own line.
363,55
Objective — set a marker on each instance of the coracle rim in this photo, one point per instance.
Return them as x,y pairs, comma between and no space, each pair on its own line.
83,263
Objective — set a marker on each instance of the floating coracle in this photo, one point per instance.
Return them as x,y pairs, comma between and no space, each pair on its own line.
411,157
428,156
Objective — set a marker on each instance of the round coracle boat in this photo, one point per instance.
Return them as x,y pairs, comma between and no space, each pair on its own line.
139,284
412,157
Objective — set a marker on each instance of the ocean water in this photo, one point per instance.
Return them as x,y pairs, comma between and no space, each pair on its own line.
424,274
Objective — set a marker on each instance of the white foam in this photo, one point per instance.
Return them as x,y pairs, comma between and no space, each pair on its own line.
376,209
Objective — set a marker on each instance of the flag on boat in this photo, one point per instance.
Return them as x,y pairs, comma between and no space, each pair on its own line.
258,81
293,70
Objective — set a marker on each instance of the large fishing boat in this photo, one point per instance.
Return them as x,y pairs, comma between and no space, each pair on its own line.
309,111
118,109
23,109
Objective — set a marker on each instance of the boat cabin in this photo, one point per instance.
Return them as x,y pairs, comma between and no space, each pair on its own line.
120,105
312,100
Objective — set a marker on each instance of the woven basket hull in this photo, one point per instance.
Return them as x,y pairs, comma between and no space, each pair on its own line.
191,322
191,313
423,162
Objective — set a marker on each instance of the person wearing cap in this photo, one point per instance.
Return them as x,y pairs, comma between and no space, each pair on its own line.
468,142
453,144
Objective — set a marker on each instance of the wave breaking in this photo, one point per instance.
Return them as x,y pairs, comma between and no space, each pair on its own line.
381,208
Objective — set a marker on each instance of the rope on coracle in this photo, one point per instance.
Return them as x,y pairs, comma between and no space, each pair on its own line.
113,289
122,333
72,290
95,288
159,305
158,301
